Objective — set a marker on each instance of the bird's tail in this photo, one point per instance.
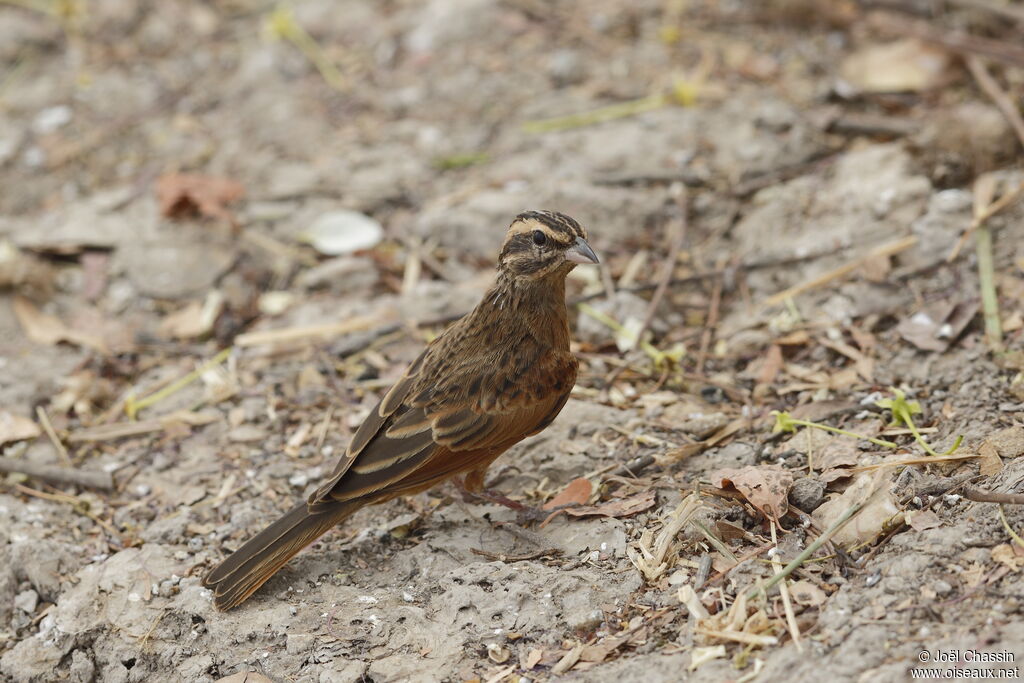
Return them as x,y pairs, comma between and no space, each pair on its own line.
249,567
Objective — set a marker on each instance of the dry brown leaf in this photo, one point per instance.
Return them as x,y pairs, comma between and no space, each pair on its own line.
806,593
921,520
195,319
765,486
620,507
1009,442
183,194
937,326
878,514
1011,556
533,659
576,492
990,463
908,65
16,428
44,328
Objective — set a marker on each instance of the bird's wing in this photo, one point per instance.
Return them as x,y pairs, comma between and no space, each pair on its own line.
428,428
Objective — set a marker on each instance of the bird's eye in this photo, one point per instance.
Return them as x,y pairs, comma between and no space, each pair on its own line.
539,238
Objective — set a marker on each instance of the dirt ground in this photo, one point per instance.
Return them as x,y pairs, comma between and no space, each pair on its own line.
179,179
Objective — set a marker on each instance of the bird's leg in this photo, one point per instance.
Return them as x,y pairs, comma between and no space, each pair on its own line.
472,487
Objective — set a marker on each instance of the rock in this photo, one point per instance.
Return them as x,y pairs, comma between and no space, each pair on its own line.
342,275
807,494
297,643
350,671
26,601
342,232
963,141
83,670
175,271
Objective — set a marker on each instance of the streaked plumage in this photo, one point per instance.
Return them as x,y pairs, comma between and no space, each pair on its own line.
500,374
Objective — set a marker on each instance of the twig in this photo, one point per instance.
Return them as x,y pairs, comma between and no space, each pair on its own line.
305,331
991,210
810,550
547,552
44,420
132,407
979,496
885,250
59,475
979,70
984,188
709,324
787,605
77,504
962,43
121,430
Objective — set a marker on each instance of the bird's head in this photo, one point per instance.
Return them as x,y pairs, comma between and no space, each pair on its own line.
544,243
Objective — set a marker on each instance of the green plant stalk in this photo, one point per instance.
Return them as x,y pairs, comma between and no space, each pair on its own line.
132,407
844,432
808,551
284,24
909,421
587,118
605,319
1006,525
989,298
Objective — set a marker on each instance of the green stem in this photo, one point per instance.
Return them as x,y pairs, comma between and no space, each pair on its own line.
844,432
987,278
132,407
802,557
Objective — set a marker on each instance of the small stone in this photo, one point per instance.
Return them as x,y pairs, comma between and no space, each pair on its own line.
26,601
342,275
942,587
807,494
297,643
195,544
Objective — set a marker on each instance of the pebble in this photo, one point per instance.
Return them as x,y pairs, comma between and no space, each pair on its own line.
26,601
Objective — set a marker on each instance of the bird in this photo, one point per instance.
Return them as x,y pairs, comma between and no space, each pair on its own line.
499,374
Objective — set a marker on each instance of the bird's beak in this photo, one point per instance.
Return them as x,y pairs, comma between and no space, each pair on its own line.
580,252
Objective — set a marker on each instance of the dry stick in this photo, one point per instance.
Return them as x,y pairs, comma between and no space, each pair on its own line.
787,605
962,43
44,420
710,324
809,550
992,209
58,474
979,496
887,249
988,84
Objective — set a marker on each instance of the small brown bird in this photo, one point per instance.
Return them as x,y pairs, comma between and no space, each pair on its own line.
498,375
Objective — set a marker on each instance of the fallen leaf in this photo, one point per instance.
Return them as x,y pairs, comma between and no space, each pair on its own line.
576,492
195,319
990,463
937,326
44,328
533,659
184,194
806,593
908,65
1009,442
765,486
1008,555
921,520
16,428
620,507
877,515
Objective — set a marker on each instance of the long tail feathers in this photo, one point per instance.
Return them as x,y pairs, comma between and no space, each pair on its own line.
249,567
